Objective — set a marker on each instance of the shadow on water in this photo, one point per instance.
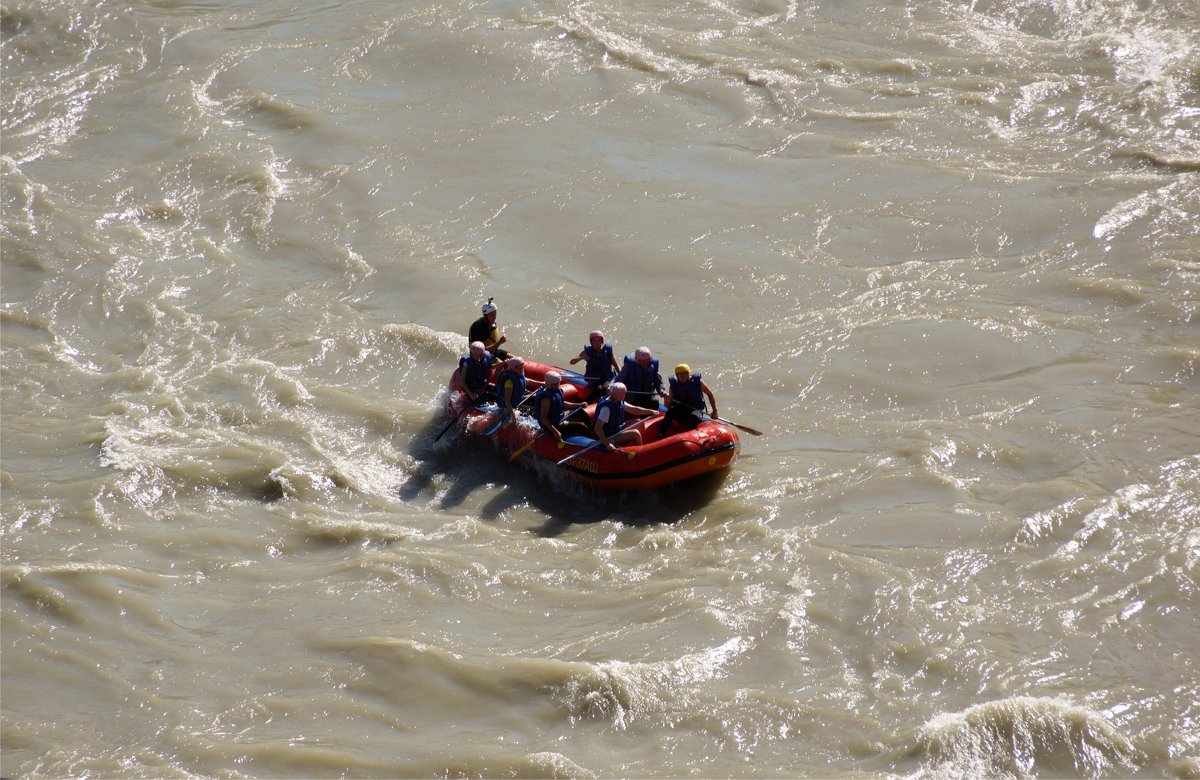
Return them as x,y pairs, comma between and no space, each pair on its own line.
459,468
446,460
639,509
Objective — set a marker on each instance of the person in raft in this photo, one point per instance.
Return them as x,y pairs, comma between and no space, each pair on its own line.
472,374
610,418
685,400
640,375
601,365
510,388
549,406
484,329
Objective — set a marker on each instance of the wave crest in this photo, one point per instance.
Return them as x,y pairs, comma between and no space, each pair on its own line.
1024,736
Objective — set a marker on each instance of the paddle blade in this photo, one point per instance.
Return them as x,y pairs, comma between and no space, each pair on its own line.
524,447
450,425
574,455
739,426
500,418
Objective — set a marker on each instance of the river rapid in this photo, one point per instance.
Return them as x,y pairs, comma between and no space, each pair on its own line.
945,254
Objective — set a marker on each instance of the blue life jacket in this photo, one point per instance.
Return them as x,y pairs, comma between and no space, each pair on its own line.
688,393
477,371
616,415
555,413
516,395
641,380
599,363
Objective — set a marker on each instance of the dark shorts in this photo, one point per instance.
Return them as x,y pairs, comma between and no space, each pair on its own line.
642,400
682,417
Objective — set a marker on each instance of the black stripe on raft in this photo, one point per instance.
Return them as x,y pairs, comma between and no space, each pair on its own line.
654,469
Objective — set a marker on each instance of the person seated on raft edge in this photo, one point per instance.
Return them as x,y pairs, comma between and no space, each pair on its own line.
685,401
548,404
601,366
510,388
641,378
610,417
484,329
472,375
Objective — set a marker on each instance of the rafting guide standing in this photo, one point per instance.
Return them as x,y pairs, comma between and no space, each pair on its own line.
485,329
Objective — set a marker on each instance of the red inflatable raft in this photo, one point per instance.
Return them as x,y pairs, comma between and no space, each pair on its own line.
657,462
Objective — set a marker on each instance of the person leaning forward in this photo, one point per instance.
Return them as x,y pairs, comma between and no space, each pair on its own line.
485,330
472,374
510,388
610,419
549,406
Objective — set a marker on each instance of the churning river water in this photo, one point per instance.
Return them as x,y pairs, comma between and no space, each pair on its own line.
945,254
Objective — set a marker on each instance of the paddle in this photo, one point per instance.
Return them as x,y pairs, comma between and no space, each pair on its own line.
466,406
529,444
647,394
591,446
591,386
745,428
628,424
500,418
524,447
574,377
